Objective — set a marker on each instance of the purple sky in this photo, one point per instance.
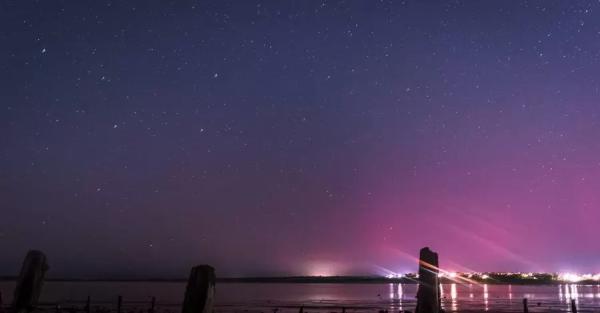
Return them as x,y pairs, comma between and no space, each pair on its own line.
274,138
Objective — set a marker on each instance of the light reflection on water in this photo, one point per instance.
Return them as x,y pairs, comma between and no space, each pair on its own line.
391,297
486,296
453,296
396,297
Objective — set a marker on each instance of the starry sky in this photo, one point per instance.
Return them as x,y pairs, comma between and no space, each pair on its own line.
139,138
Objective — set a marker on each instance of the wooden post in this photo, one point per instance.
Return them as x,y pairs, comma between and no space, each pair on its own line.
30,281
152,304
200,290
119,303
301,309
525,307
88,305
573,306
428,294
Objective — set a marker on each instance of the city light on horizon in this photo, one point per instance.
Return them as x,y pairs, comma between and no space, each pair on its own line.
568,277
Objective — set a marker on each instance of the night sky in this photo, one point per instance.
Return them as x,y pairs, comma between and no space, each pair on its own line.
139,138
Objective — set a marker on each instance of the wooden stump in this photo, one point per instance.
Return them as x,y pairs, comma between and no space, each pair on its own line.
200,291
428,294
88,305
29,284
119,303
152,304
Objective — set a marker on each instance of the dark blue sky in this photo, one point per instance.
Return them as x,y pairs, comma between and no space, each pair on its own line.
299,137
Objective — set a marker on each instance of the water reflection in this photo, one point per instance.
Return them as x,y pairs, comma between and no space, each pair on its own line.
574,293
454,297
560,293
570,292
567,293
442,304
485,297
457,297
394,292
400,293
471,291
395,297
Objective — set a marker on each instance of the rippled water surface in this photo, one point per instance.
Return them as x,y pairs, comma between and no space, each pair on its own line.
276,297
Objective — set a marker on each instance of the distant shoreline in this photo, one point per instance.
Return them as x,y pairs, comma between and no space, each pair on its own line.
328,280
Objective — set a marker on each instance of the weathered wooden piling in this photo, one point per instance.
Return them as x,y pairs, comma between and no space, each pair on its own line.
573,306
152,304
525,307
30,281
88,304
428,294
200,290
119,303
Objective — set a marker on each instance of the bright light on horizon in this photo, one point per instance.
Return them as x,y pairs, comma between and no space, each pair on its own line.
574,278
332,269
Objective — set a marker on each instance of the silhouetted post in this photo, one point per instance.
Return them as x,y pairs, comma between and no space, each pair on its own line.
301,309
428,294
57,308
88,304
119,304
525,308
573,306
152,304
343,310
200,290
29,284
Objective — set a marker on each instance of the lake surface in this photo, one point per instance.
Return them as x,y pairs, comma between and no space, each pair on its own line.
266,297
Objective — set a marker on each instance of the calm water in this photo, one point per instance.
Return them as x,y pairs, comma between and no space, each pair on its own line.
326,297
